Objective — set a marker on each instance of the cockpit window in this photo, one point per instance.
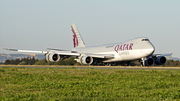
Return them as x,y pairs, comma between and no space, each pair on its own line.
145,39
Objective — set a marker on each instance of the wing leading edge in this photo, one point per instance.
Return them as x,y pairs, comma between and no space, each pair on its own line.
26,51
63,52
166,54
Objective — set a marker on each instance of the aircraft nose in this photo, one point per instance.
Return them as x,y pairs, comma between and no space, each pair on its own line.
148,50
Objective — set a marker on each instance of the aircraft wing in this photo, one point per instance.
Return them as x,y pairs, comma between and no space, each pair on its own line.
28,51
88,54
45,52
165,54
68,52
108,56
64,52
56,49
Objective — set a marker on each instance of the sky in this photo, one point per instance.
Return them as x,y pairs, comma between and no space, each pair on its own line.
42,24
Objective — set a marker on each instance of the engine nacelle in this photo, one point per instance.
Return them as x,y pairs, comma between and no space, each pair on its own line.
160,60
52,57
86,60
149,61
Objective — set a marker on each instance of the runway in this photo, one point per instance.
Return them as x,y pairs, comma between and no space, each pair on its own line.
92,67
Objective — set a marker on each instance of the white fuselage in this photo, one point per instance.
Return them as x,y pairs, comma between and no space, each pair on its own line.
125,51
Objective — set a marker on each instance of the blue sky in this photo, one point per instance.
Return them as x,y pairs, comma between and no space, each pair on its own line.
41,24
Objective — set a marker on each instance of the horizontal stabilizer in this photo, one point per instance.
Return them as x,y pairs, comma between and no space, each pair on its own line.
57,49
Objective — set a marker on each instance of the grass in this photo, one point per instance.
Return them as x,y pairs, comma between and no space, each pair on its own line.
70,84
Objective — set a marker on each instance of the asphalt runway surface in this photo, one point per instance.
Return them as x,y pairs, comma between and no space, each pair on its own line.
93,67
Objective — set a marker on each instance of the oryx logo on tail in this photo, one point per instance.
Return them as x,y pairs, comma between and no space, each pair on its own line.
77,39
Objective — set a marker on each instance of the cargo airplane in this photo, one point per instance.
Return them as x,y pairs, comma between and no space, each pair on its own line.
107,54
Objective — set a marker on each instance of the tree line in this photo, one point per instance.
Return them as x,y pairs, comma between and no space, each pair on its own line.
71,61
33,61
22,61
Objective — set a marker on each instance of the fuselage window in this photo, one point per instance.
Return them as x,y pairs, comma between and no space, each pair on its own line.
145,39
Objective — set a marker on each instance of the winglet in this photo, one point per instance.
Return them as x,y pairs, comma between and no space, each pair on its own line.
77,39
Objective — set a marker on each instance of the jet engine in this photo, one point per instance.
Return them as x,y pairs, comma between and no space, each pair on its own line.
52,57
86,60
149,61
160,60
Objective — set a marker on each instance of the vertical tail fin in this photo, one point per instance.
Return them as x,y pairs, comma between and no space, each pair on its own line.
77,39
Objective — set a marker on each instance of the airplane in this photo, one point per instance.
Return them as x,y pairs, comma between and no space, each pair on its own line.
139,48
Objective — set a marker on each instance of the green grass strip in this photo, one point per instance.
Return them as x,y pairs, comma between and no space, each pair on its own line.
42,84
